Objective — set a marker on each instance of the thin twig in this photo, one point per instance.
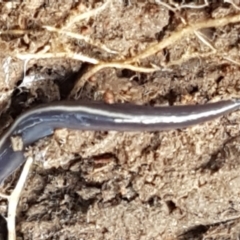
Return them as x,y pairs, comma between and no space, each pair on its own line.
14,32
88,14
232,3
154,48
206,4
101,66
79,37
186,57
75,56
232,61
166,5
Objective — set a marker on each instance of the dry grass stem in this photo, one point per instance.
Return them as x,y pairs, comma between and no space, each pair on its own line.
204,41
